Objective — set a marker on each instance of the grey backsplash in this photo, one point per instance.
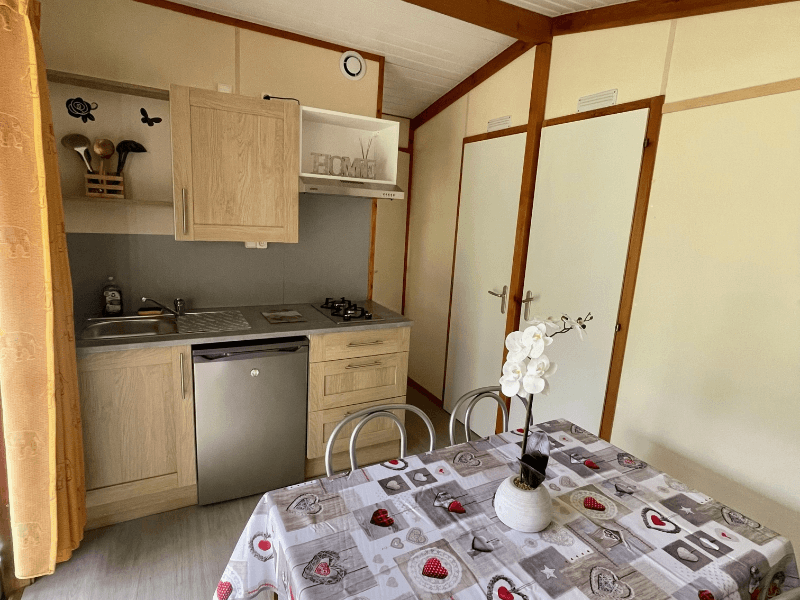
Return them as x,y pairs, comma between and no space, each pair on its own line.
331,259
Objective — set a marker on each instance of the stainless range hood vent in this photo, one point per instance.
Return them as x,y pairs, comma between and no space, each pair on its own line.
337,187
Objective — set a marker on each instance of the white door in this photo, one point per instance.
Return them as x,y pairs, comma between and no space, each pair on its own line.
586,188
490,186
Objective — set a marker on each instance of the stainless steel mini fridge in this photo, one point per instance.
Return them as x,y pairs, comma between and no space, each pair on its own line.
250,417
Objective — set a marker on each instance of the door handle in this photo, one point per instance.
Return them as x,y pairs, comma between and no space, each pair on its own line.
502,298
529,297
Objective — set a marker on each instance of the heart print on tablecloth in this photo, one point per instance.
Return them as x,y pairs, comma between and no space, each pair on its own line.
324,568
435,570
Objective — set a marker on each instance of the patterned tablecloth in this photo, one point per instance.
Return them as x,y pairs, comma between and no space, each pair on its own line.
425,528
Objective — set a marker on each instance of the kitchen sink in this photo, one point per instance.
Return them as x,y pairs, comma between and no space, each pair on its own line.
117,327
190,323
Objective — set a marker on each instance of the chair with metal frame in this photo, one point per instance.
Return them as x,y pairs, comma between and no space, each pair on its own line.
471,399
366,415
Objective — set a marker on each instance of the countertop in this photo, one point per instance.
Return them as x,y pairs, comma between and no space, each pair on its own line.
260,329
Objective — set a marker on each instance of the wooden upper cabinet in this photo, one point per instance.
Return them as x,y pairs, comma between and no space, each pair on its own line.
235,166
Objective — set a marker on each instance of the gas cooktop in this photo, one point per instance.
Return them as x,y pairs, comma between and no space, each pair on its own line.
346,312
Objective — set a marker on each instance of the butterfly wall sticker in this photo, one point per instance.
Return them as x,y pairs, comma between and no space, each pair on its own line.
150,121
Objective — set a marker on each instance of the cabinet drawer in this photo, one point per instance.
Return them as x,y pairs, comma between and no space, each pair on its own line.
321,424
353,344
344,382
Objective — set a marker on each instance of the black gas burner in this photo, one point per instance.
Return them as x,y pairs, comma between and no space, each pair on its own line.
344,311
332,304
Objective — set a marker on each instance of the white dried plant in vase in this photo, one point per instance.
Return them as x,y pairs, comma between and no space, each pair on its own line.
522,502
369,163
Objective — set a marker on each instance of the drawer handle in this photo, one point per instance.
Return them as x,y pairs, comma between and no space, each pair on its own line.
359,344
377,363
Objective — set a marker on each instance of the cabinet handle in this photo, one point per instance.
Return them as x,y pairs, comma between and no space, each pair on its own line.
183,385
359,344
183,201
377,363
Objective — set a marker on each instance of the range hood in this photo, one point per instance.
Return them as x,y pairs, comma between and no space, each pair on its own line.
338,187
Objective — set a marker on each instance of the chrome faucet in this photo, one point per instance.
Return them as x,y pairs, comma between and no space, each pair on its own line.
180,306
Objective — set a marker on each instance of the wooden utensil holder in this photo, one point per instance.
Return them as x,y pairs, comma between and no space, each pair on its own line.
105,186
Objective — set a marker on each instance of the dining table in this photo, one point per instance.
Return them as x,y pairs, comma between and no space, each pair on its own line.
424,527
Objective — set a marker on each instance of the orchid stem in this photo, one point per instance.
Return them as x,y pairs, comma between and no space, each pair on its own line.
527,429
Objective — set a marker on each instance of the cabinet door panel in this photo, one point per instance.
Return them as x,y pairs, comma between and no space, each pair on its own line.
353,344
128,420
345,382
138,430
237,168
322,423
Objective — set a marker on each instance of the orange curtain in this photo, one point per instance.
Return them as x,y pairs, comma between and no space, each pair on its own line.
38,374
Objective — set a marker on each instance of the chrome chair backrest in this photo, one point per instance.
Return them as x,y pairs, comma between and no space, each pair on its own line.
366,415
471,399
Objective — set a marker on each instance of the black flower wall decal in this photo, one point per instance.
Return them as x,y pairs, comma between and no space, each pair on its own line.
81,109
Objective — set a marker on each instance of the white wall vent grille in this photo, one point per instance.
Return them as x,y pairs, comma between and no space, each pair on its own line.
598,100
498,123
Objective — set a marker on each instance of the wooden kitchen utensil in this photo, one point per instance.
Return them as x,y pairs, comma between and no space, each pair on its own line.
102,185
104,149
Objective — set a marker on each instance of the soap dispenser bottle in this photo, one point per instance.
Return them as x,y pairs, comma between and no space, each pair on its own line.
112,299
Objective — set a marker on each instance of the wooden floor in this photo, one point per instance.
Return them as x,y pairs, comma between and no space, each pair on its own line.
177,555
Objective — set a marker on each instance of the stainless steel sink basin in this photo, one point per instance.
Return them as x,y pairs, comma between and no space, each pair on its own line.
119,327
190,323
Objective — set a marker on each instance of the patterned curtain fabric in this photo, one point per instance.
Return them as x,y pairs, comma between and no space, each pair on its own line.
38,375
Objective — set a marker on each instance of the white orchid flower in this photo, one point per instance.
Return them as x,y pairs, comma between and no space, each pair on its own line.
512,374
535,379
535,337
518,347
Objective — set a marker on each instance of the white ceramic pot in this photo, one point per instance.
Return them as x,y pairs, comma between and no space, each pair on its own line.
523,510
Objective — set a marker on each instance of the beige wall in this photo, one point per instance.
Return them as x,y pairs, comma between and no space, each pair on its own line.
507,92
390,243
434,199
279,67
710,384
711,379
630,59
135,43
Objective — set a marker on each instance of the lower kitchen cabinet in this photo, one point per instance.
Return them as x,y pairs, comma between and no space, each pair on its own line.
350,371
322,422
138,433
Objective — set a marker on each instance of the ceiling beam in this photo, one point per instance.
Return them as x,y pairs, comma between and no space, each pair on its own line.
646,11
508,19
507,56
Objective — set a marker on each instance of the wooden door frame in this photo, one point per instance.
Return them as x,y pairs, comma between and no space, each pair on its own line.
652,131
481,137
